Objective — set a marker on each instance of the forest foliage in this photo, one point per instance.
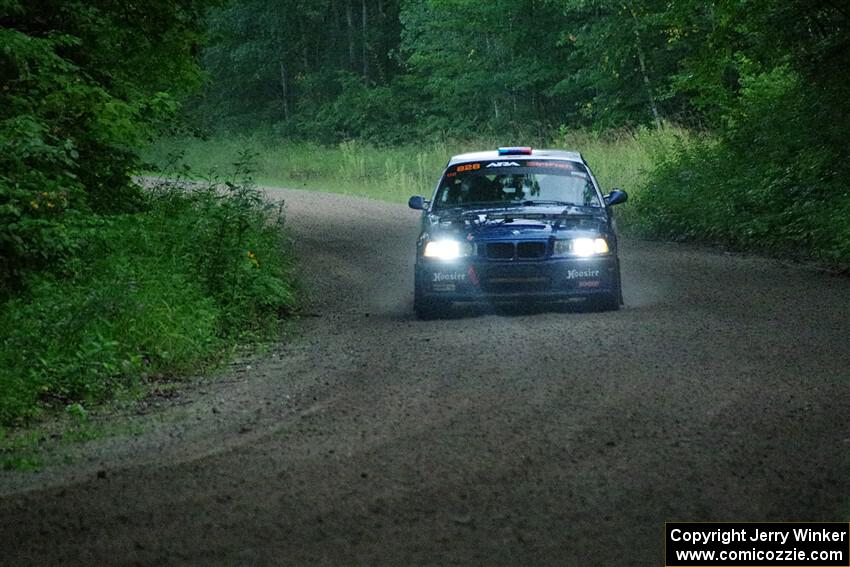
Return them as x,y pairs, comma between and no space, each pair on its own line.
105,286
377,69
764,83
84,85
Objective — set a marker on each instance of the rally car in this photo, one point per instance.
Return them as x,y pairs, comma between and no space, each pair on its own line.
516,224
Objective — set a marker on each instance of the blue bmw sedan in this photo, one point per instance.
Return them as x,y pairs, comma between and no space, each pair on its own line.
517,224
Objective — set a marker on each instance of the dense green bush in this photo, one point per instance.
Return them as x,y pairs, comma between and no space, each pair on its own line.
775,181
102,283
154,292
85,83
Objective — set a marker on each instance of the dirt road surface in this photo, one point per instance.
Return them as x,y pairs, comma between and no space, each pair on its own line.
536,437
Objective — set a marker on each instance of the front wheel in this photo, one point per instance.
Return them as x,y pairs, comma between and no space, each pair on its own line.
428,308
607,302
612,300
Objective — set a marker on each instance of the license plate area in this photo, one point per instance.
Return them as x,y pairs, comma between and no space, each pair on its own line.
519,284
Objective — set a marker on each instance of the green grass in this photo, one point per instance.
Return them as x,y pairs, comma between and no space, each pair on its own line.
353,168
19,451
164,292
30,449
619,159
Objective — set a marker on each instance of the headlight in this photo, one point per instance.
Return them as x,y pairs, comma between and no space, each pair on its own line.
447,249
581,247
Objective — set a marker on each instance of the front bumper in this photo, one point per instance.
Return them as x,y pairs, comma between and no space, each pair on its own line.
473,279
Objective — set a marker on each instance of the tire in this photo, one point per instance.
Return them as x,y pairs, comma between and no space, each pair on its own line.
612,300
427,309
619,285
607,302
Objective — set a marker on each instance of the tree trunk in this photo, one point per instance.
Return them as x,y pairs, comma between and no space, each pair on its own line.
284,89
365,42
646,82
350,24
281,59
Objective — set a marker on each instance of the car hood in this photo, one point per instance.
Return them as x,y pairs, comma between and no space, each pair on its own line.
520,223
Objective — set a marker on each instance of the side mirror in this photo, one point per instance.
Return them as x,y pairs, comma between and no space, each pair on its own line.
418,203
615,197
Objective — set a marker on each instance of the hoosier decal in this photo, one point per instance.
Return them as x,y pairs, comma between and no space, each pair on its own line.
580,274
448,277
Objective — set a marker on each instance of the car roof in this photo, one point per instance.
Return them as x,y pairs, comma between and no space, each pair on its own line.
494,155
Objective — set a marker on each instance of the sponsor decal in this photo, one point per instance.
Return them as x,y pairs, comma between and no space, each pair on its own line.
581,274
439,277
503,164
550,164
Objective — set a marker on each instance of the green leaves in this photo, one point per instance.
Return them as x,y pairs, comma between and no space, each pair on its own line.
157,292
84,86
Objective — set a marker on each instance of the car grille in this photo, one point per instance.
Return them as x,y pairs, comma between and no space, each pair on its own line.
510,251
500,250
530,250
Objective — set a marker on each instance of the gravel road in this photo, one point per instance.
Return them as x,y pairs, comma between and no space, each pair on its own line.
721,392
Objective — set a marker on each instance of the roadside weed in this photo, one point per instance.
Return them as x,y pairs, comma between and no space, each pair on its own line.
164,291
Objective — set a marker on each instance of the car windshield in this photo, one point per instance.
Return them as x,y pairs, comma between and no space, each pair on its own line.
515,183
